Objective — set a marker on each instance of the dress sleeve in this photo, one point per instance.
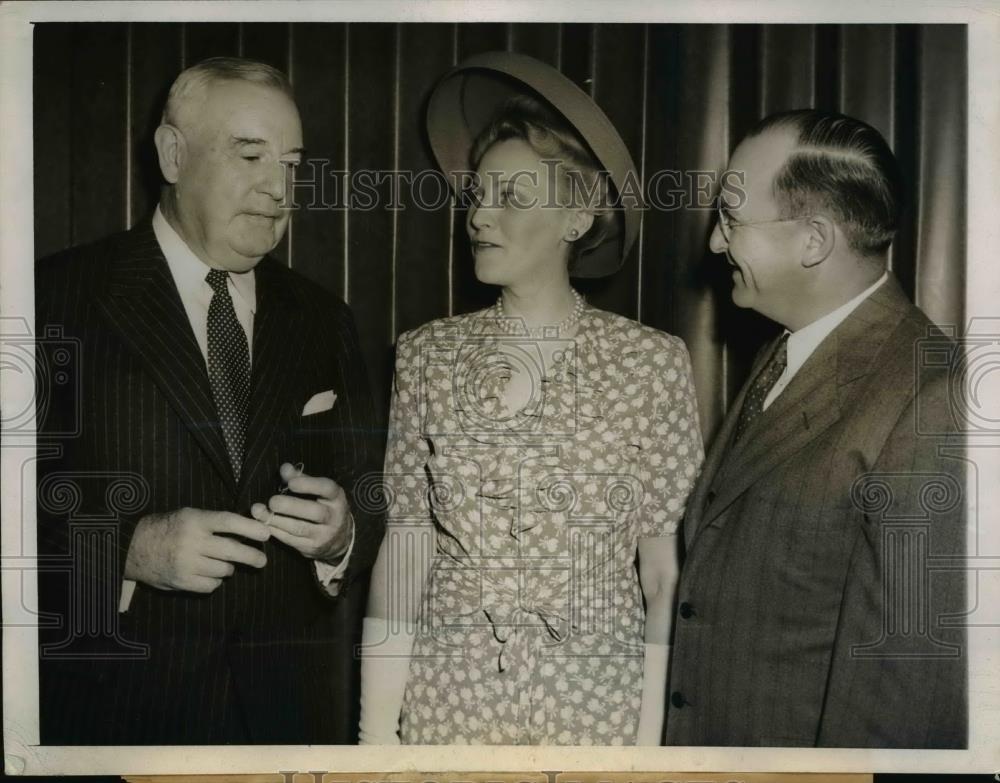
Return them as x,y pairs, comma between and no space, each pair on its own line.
671,443
407,450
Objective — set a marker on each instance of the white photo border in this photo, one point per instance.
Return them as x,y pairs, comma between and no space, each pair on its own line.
23,755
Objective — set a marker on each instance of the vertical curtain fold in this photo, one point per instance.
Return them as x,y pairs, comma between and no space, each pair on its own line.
941,206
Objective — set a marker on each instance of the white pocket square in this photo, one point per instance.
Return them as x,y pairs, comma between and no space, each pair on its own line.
319,403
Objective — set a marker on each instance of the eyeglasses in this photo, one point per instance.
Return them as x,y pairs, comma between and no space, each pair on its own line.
727,224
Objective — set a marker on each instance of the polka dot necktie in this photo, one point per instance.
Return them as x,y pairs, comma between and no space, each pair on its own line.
228,367
753,404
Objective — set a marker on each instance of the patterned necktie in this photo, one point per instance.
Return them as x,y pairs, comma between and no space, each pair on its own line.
753,404
228,367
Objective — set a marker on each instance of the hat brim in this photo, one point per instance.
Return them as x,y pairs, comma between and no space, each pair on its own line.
467,98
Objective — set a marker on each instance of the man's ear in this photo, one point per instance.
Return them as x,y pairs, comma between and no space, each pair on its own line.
581,220
170,151
821,239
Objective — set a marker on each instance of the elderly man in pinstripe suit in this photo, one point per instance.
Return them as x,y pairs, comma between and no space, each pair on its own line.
788,629
208,374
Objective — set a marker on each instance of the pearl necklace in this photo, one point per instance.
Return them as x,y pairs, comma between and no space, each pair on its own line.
514,324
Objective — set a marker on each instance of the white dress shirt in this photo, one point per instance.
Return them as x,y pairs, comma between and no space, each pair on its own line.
803,342
189,274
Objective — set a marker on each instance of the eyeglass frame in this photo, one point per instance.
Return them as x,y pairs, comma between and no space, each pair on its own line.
727,223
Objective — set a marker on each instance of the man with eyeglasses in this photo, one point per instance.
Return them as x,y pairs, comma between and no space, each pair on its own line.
796,623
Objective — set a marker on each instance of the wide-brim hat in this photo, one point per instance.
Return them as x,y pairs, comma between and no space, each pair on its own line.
466,100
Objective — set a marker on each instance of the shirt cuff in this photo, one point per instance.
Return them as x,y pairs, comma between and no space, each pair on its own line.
329,575
128,588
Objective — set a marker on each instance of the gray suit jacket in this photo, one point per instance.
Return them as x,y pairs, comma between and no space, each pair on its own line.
817,603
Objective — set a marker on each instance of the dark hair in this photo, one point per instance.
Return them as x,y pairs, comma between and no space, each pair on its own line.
552,138
842,165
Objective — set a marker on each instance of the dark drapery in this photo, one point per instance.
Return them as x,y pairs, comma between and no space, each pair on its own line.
681,96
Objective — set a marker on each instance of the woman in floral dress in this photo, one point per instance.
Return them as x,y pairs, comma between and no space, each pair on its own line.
535,448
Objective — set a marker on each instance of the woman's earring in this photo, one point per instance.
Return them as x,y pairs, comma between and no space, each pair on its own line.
573,234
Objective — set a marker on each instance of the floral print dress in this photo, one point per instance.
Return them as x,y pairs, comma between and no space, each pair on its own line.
531,622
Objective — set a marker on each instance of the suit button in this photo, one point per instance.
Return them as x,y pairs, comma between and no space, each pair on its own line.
677,699
709,497
686,610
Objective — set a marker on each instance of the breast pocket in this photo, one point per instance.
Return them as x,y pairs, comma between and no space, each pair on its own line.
321,443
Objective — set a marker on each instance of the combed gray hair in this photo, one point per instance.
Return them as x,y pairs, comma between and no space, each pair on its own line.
194,80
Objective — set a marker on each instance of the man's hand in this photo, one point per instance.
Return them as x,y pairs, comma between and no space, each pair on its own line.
317,526
182,550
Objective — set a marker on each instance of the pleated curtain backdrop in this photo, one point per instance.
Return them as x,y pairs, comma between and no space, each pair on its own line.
682,96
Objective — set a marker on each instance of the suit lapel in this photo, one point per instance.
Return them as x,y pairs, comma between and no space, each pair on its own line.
143,306
809,405
716,457
278,345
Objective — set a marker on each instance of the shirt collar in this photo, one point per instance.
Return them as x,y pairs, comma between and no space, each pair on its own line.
189,271
804,341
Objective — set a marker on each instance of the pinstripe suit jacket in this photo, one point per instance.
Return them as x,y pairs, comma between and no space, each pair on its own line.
797,624
133,430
